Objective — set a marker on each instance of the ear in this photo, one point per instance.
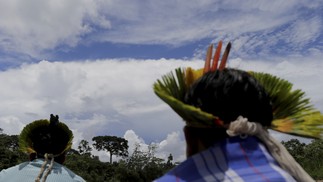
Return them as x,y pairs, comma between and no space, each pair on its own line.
32,156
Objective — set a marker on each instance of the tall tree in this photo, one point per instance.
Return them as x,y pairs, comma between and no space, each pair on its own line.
114,145
84,148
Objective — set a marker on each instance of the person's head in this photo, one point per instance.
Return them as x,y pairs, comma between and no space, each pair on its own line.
227,94
46,137
230,93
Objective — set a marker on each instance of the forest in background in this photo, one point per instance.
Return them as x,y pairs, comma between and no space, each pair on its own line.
140,165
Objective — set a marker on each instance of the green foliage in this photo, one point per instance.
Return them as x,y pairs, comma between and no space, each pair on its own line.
89,168
146,164
84,147
295,148
9,151
309,156
112,144
141,166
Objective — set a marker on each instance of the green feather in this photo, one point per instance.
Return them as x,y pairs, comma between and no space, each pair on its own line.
171,89
293,113
26,135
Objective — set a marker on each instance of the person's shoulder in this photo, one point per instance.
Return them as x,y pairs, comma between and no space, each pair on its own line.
14,171
16,167
229,159
192,169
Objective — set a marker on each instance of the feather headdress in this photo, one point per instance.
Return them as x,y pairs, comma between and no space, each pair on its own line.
292,112
44,136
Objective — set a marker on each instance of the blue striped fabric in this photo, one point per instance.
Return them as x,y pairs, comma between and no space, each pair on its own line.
232,160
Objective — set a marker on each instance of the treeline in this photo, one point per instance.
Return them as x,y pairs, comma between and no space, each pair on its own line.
10,154
309,156
141,165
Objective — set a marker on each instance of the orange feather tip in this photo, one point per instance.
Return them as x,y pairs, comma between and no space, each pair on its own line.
225,56
216,57
207,65
285,125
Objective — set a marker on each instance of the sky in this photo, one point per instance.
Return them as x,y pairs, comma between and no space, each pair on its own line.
94,62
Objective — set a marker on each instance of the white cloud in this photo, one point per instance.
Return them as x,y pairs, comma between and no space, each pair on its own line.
133,140
32,27
303,72
284,137
11,124
39,27
154,23
305,31
173,144
91,97
113,97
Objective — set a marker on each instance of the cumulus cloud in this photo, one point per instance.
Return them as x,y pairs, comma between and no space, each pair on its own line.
99,97
114,97
33,27
173,144
134,140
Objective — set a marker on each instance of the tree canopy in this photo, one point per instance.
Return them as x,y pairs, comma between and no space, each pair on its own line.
141,165
84,148
309,156
112,144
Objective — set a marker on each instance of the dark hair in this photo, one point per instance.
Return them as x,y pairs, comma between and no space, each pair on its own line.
51,140
230,93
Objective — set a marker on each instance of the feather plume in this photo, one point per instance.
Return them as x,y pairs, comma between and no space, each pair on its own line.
293,113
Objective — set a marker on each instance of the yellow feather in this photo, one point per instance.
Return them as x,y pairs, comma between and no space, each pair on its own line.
283,125
192,75
30,150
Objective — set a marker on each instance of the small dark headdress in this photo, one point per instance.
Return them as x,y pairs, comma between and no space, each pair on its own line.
46,137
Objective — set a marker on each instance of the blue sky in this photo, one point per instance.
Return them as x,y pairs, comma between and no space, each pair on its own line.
94,62
66,30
